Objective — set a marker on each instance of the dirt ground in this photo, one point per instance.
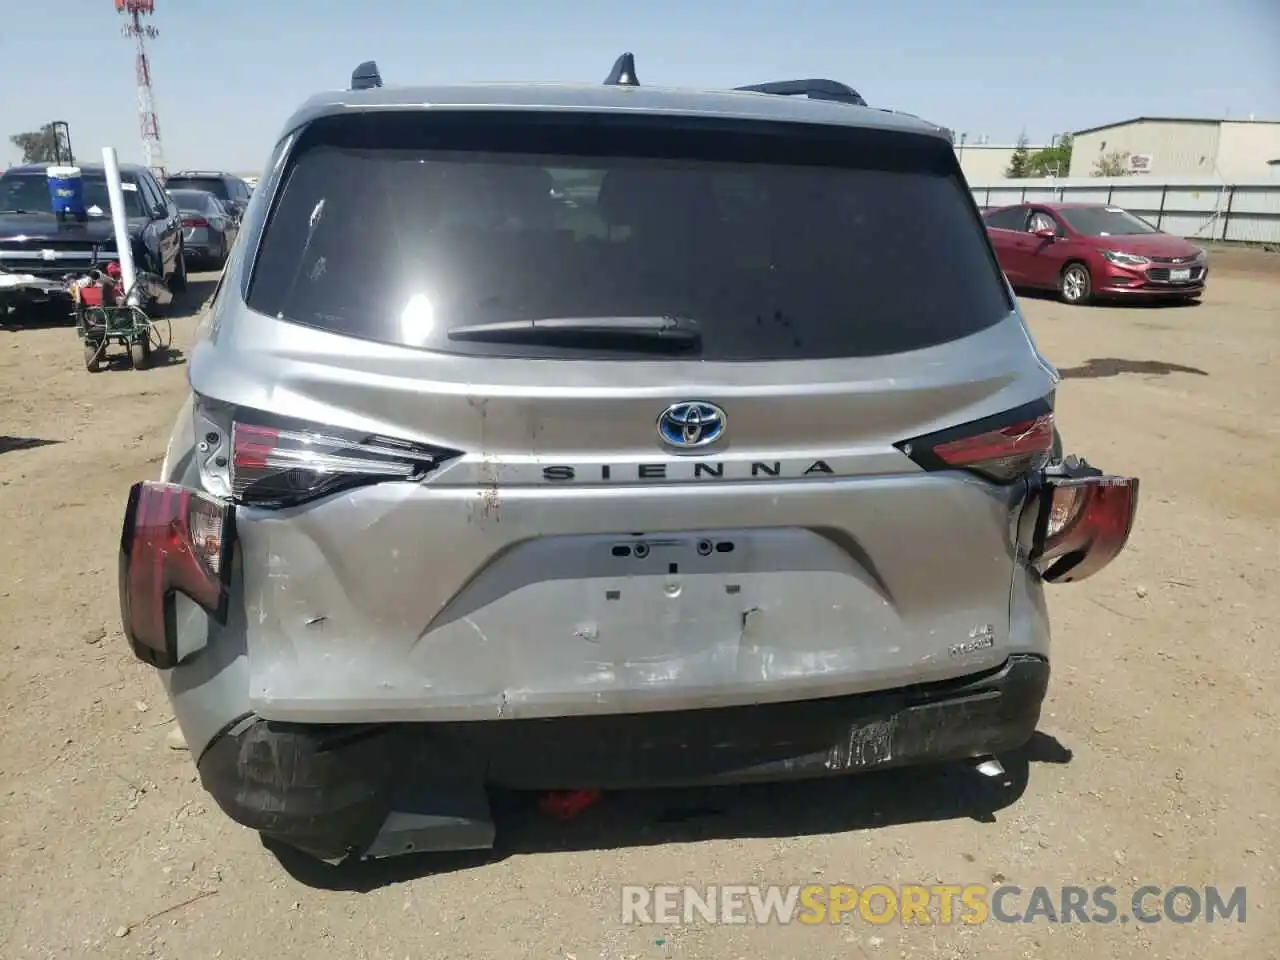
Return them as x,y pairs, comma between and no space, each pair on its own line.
1156,763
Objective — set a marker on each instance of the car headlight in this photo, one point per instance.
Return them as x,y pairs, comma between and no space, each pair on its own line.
1201,256
1125,259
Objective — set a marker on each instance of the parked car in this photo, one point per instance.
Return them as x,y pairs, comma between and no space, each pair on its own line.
208,228
1089,250
227,187
692,481
33,241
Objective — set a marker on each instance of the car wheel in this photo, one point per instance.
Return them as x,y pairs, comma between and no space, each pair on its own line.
1075,285
140,353
178,282
93,355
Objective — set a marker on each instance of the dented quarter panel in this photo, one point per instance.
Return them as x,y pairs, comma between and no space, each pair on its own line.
177,455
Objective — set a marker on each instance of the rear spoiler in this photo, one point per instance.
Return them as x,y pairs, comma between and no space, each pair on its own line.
814,89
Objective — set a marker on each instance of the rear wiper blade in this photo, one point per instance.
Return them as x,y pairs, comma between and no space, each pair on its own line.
675,333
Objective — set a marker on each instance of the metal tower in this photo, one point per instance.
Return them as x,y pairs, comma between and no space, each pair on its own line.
140,32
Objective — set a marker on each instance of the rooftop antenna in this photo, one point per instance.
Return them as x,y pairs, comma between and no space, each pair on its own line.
623,73
366,76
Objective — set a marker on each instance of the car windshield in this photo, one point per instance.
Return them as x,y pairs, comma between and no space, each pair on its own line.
1106,222
213,185
29,192
778,244
192,201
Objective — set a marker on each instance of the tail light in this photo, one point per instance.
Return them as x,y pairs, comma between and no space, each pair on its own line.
195,222
1078,519
175,542
1002,448
268,462
1083,521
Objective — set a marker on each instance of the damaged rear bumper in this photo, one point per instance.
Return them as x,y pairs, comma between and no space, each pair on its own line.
376,790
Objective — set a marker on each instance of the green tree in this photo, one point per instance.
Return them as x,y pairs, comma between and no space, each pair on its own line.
41,146
1113,164
1053,160
1018,163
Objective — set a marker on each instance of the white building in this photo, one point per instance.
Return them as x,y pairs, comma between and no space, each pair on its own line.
985,162
1177,147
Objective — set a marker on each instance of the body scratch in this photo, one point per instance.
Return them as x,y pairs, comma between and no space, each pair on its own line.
484,637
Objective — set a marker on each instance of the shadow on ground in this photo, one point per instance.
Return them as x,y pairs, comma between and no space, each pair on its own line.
650,817
199,289
1132,302
10,444
1113,367
168,357
37,317
118,359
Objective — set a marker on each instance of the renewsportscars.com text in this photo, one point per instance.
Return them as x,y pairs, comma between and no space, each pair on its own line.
936,904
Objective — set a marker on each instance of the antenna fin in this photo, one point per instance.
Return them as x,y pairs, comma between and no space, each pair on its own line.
623,73
366,76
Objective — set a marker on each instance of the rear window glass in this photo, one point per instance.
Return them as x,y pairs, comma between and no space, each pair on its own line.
29,193
192,199
214,185
1106,222
779,242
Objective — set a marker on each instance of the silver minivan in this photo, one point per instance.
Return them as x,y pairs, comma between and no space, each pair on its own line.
587,437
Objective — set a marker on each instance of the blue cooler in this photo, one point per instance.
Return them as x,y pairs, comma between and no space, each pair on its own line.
66,190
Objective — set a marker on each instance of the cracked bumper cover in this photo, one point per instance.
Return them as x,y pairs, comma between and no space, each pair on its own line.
329,790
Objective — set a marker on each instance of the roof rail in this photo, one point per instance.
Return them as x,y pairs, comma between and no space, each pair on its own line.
623,73
366,76
814,89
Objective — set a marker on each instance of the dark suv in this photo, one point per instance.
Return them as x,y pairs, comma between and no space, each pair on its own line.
227,187
34,243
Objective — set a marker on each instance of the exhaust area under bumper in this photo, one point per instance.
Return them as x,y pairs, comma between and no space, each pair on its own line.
381,790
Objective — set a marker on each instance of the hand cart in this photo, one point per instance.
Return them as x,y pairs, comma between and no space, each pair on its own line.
105,316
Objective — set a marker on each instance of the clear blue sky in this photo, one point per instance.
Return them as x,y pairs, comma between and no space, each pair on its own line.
228,74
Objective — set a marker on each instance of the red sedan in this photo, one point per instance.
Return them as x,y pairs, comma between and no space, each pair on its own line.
1087,250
